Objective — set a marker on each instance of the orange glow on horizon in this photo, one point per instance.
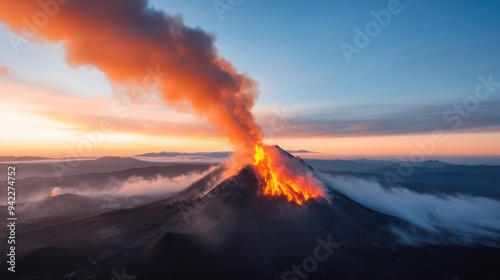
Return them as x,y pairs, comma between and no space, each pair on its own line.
55,192
455,144
391,146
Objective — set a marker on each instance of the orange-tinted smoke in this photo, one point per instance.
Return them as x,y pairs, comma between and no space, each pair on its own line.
55,192
126,40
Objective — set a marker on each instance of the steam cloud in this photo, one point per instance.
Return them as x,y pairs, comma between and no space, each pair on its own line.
159,185
135,45
117,194
465,218
137,186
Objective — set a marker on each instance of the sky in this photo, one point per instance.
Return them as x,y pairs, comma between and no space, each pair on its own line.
345,79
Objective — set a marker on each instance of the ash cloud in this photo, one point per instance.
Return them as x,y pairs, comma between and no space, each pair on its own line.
449,218
138,46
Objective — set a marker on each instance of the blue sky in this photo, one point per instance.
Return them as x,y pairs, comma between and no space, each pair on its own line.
431,51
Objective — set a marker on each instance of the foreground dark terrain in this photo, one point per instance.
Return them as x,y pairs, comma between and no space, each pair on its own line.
226,229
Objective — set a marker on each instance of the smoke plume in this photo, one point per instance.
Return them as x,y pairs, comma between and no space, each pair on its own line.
137,46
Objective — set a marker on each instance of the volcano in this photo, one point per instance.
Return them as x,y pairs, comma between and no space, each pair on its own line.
233,227
246,204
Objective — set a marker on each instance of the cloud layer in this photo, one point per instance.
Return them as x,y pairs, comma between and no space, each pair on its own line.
461,218
390,119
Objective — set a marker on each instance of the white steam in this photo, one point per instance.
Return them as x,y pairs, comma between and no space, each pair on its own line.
159,185
468,218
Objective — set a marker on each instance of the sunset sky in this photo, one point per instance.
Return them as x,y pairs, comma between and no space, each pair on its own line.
425,72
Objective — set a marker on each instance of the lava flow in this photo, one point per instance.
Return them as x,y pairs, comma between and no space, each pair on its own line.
55,191
279,181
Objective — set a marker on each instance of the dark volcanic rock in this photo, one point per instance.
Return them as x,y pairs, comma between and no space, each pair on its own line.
229,230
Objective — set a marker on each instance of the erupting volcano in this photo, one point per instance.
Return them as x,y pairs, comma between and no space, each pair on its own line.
280,181
186,68
261,214
55,192
279,173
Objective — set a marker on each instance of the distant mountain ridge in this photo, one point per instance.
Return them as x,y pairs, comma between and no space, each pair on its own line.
230,230
22,158
176,154
76,167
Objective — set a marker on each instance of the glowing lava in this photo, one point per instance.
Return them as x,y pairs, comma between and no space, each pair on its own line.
55,191
279,180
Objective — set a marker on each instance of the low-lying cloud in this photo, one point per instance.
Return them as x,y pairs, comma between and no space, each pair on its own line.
182,159
81,201
461,218
199,157
159,185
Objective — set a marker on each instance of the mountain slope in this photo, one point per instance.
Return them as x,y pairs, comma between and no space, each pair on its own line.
225,228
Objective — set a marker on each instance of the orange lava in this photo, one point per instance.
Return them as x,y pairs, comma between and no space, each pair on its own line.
278,181
55,192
